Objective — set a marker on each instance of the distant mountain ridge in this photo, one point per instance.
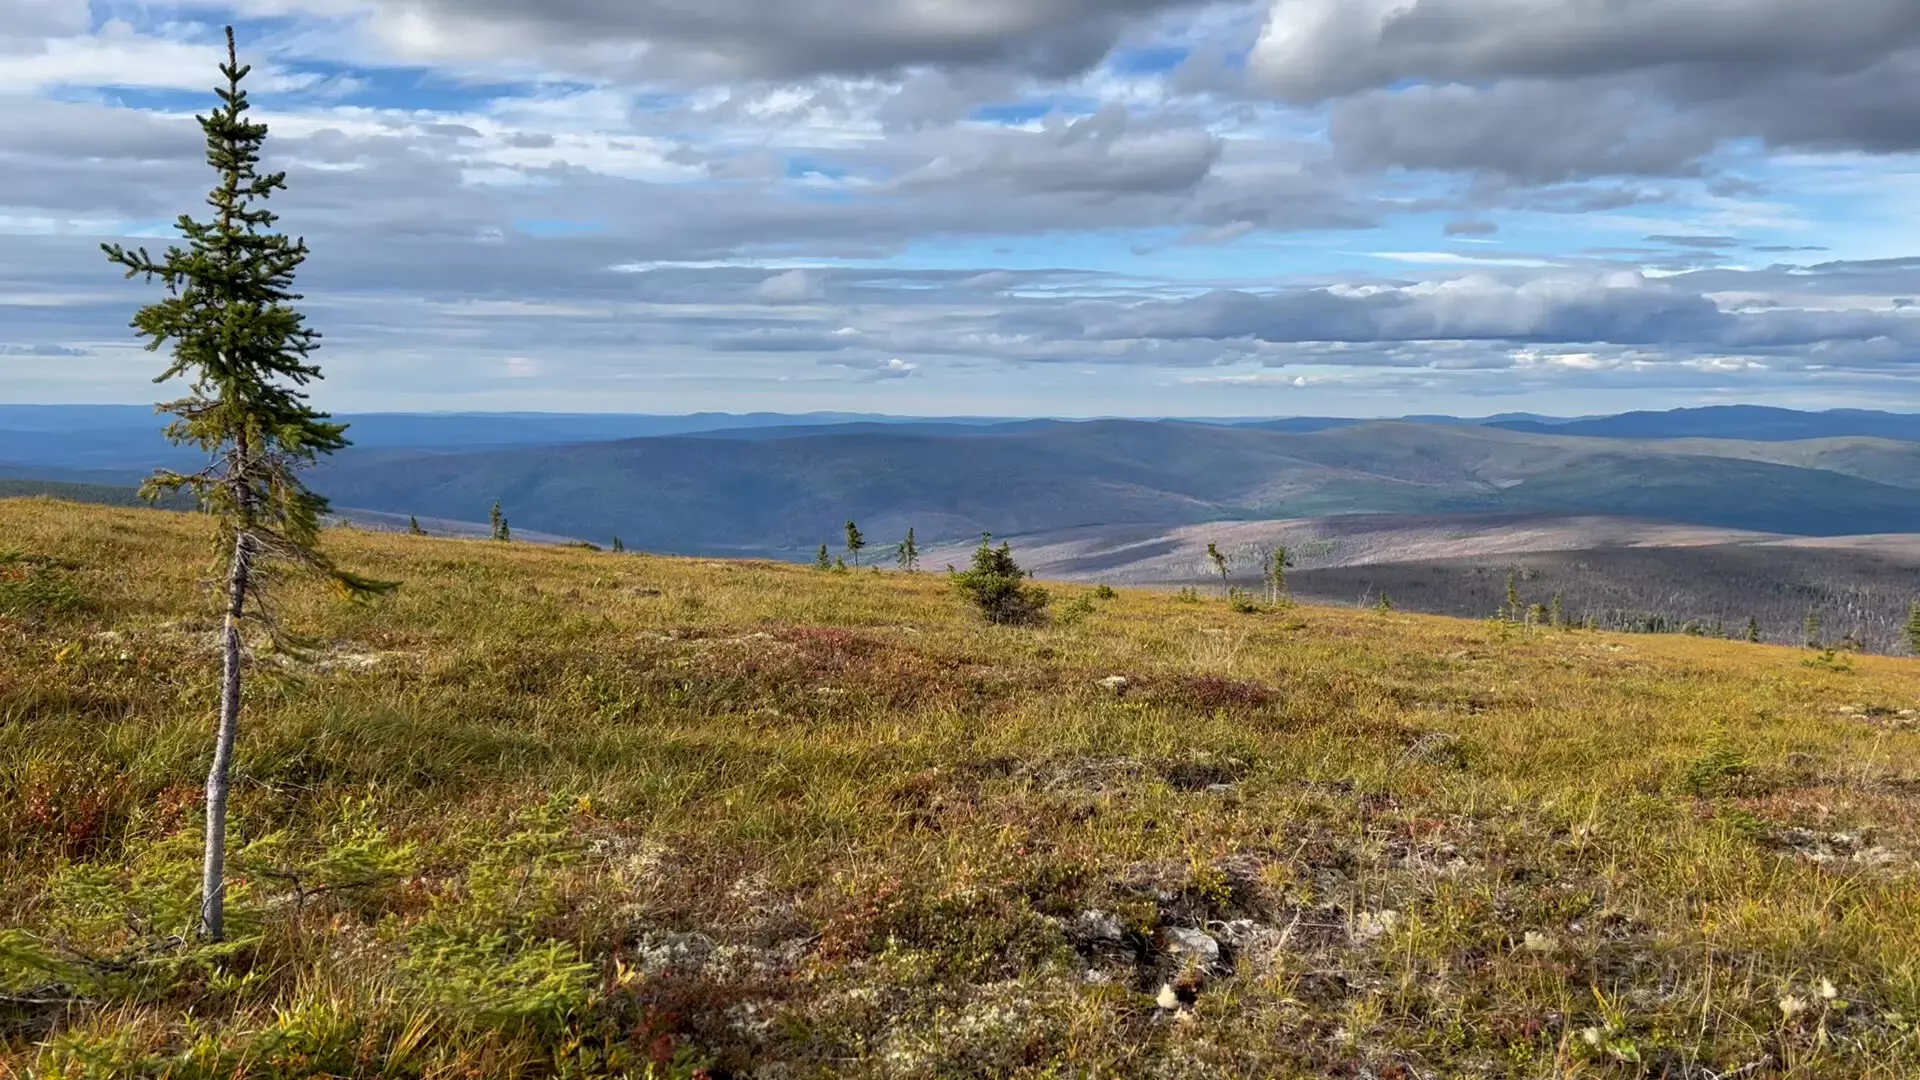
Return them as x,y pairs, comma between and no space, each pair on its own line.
121,443
778,484
1752,423
785,495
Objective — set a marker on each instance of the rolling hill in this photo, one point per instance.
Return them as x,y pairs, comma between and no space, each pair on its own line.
1747,422
783,496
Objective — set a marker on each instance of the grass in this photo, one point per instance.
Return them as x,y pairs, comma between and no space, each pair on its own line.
549,812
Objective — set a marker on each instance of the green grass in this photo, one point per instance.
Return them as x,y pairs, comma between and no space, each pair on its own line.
550,812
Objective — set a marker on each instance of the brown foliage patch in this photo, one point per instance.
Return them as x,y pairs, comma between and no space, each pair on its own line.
72,812
1214,693
811,669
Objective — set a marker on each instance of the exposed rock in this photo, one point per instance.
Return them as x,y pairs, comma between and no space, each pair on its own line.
1246,934
1375,924
1097,928
1197,945
1114,684
1836,848
682,954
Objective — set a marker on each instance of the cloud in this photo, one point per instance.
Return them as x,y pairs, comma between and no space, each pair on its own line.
750,39
792,287
1548,90
1314,50
1618,309
1538,132
879,369
1708,242
15,349
1100,154
671,204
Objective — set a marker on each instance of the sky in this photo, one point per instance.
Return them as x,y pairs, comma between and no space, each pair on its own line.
1002,207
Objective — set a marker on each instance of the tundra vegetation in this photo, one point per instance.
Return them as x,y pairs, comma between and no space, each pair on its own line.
548,812
1719,590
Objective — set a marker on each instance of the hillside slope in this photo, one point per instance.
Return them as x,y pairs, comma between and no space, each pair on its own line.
545,812
781,496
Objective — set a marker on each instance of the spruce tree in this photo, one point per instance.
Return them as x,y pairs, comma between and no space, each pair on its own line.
1913,626
1385,604
1277,566
1753,629
823,561
855,542
1813,629
618,547
499,520
1219,560
998,586
246,354
1514,612
413,526
1559,613
909,556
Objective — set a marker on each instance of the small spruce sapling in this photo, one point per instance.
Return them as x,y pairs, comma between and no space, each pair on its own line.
1913,627
1812,629
909,554
413,526
1753,629
1514,612
998,587
855,542
1276,573
823,561
499,521
246,353
1220,565
618,546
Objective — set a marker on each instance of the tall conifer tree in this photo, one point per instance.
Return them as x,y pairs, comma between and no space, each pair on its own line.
1276,572
245,352
909,556
1219,560
855,541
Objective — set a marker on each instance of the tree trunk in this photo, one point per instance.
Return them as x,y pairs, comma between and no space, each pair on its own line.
213,877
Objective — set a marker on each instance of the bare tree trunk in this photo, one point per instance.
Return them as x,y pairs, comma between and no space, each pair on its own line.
213,877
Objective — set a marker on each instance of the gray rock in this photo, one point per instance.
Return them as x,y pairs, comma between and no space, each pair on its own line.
1187,943
1098,928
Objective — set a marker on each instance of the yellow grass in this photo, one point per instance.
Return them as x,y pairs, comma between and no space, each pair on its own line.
550,812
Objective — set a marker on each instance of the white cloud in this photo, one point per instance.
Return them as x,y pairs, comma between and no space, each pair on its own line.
938,186
792,287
